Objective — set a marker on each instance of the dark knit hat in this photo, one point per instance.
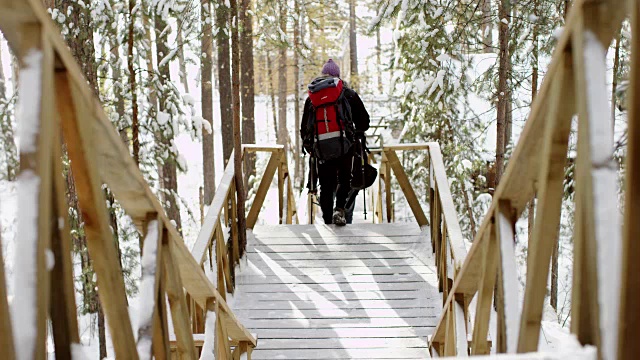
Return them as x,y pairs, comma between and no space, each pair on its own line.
331,68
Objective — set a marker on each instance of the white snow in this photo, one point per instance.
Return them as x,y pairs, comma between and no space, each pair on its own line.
24,305
50,259
605,207
147,296
163,118
509,282
79,352
28,113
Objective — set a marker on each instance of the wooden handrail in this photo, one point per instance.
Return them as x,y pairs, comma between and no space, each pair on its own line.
537,166
98,156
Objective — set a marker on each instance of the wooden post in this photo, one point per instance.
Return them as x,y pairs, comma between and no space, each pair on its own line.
406,187
178,303
281,177
79,139
37,118
629,318
507,292
64,322
258,200
479,345
597,169
386,170
550,192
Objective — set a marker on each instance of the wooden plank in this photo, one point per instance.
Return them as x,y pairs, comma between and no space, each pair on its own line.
479,344
461,344
36,118
205,236
63,312
272,269
265,183
343,343
449,214
149,305
406,187
178,304
507,294
100,242
161,343
550,192
337,313
629,319
323,304
419,296
264,232
368,333
262,148
336,287
311,354
222,338
280,249
337,279
602,169
340,323
401,147
362,255
282,175
314,263
377,239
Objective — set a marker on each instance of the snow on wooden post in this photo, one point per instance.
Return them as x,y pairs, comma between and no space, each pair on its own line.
560,110
507,299
36,117
596,168
149,287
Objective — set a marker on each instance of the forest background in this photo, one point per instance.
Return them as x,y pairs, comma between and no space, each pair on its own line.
174,74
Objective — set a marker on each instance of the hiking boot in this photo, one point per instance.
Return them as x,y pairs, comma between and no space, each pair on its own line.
338,217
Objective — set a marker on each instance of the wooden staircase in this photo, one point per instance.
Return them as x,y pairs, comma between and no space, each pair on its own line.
364,291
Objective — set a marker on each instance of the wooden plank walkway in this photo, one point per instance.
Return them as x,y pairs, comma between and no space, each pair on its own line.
321,292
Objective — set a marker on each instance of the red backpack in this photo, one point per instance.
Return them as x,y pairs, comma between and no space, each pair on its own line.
333,129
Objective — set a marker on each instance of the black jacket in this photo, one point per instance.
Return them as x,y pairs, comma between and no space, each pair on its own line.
359,114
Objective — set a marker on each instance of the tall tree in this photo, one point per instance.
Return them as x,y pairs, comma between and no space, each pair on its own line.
237,154
296,89
10,151
248,85
272,93
135,125
224,79
283,133
504,14
80,41
166,131
206,67
353,45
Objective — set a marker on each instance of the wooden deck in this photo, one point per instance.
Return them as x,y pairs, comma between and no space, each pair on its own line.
364,291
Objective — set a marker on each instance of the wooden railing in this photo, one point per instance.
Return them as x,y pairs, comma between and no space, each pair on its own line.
217,244
55,96
574,84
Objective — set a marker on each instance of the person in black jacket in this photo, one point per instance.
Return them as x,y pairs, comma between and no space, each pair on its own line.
334,175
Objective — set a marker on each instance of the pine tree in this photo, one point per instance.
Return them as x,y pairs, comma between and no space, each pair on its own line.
224,79
247,80
206,83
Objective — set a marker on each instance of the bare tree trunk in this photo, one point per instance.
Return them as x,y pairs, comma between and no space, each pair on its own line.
273,96
237,154
283,133
6,127
502,89
487,26
353,45
135,132
296,91
206,65
169,167
248,86
224,79
614,84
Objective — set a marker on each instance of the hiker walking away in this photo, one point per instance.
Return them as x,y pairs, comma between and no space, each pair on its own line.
334,118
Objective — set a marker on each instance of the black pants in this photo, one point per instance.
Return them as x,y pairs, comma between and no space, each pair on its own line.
335,177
